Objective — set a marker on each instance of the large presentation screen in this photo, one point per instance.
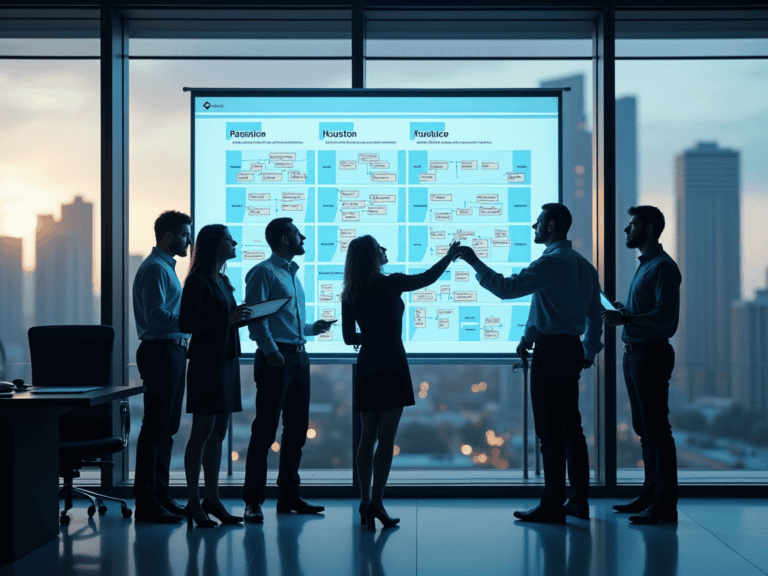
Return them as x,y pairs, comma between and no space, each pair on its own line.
414,169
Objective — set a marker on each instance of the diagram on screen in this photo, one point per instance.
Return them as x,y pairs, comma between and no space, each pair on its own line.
361,168
270,167
456,204
359,204
262,204
472,167
333,241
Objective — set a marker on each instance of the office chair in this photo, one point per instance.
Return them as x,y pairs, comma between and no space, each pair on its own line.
80,356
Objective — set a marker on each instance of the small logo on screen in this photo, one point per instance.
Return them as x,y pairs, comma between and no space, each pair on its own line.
207,105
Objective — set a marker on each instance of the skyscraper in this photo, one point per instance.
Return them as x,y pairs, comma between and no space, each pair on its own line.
749,351
577,162
64,266
626,189
708,253
12,335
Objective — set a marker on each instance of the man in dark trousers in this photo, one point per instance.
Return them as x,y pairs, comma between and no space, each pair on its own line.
565,305
161,359
650,319
281,372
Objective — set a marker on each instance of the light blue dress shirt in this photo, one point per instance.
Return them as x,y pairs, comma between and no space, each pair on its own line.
157,298
566,295
276,278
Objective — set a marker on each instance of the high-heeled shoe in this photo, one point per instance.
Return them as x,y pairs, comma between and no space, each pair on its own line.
363,506
207,523
222,515
372,512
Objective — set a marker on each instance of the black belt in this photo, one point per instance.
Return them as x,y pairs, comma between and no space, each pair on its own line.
177,341
640,345
284,347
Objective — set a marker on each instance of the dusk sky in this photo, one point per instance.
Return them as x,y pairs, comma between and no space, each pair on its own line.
49,119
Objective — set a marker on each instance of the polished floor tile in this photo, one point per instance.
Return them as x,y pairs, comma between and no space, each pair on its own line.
436,536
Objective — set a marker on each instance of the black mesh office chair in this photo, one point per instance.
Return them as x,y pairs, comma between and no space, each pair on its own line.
80,356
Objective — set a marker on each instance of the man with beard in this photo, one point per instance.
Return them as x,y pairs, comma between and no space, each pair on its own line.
565,305
281,372
650,318
161,359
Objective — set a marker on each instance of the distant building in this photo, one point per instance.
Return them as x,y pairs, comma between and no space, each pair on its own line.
709,255
12,333
626,190
64,266
577,162
749,351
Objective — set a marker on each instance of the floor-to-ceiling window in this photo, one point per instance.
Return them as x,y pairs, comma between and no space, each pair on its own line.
691,118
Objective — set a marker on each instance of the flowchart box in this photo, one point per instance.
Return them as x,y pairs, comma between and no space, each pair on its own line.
383,177
441,198
428,296
490,166
438,165
463,211
288,196
259,196
353,204
468,296
469,164
349,193
254,255
347,233
426,177
513,178
276,156
350,216
437,234
293,207
443,323
461,276
271,176
379,165
257,166
283,164
297,176
377,211
486,198
366,157
255,211
388,198
347,165
443,216
245,177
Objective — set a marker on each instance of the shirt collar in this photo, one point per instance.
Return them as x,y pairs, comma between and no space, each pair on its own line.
170,260
281,262
559,244
651,253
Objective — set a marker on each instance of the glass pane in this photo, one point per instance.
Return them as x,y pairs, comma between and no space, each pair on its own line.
691,47
50,233
484,48
160,180
50,47
454,383
256,47
700,159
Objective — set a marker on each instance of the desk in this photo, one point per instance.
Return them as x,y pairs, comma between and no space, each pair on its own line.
29,464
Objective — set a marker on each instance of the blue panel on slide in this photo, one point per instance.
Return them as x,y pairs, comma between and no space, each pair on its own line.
519,319
417,244
522,162
469,323
418,162
237,236
310,167
326,167
310,214
417,205
234,165
309,243
520,205
520,251
328,204
309,283
327,240
402,201
402,240
235,204
235,275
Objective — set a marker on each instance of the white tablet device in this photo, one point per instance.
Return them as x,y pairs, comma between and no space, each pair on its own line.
267,308
607,304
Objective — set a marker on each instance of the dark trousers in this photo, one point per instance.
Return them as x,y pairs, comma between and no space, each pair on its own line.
555,368
162,367
278,390
647,371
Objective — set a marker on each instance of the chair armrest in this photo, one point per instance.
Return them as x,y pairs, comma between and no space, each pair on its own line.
125,422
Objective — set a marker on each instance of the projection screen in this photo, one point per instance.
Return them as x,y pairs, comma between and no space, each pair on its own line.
414,169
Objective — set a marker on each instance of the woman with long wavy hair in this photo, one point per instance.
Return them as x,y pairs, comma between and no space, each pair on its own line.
210,314
383,383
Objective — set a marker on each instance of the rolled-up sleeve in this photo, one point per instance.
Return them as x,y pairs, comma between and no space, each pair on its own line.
257,290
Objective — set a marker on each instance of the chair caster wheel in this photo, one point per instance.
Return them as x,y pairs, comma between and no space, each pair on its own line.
126,512
102,510
64,519
91,511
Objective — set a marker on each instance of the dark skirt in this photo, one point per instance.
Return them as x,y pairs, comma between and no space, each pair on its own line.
383,390
214,391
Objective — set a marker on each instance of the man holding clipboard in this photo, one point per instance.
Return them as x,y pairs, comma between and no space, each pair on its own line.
281,372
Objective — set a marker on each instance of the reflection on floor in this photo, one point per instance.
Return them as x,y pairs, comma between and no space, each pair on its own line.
445,536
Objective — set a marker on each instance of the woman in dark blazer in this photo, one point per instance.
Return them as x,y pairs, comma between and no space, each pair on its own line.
210,314
382,380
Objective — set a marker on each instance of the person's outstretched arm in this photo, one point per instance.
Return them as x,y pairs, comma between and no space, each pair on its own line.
409,283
